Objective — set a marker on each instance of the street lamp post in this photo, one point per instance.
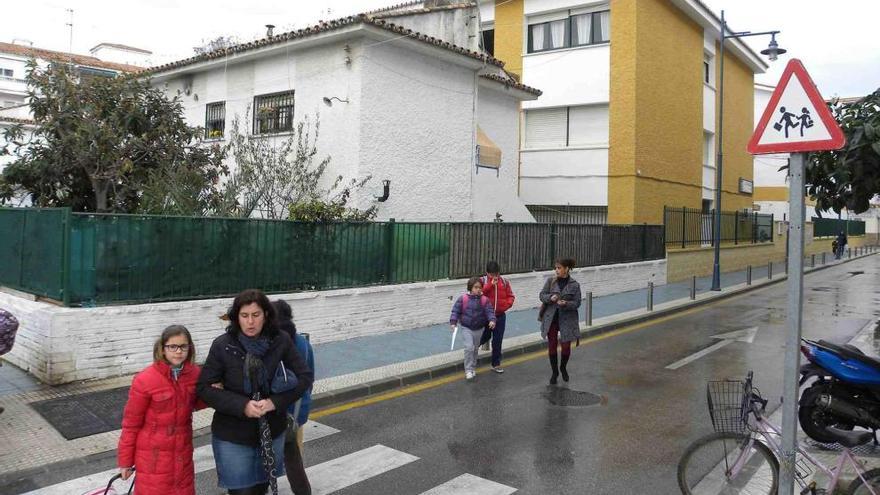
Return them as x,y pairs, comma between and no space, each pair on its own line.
772,52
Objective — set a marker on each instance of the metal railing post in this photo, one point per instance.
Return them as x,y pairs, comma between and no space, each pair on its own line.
693,287
849,253
683,227
588,316
749,275
823,257
769,270
650,296
736,227
812,261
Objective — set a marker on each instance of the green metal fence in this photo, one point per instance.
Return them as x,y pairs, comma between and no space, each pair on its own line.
830,227
93,259
693,227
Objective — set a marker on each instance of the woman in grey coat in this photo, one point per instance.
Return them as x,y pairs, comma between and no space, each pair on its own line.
561,297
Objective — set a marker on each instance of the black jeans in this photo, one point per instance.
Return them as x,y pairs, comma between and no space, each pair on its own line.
497,335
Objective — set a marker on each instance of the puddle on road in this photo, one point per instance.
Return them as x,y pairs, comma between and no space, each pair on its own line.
560,396
858,272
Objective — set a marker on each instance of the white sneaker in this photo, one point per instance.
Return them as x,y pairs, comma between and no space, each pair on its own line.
498,369
469,375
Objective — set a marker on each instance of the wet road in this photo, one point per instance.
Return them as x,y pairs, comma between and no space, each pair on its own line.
504,428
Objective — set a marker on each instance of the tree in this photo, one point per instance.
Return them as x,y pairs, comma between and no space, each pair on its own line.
850,177
100,141
282,178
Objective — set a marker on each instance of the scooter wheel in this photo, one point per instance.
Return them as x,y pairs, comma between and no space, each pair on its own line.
814,420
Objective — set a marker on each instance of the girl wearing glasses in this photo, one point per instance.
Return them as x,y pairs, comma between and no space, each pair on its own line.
157,421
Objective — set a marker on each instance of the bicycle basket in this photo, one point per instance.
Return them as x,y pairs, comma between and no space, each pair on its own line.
728,405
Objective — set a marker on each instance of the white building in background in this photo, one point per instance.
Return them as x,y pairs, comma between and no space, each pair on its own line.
398,99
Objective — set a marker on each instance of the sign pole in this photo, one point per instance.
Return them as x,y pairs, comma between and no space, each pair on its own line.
793,323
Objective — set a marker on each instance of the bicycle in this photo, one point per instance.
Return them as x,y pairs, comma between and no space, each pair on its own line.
742,456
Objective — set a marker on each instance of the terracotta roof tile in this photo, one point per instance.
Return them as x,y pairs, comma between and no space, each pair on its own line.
85,60
323,28
403,9
512,83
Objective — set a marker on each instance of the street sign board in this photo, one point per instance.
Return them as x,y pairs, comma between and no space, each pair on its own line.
796,118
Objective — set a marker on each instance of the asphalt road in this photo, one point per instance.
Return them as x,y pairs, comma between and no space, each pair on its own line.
509,432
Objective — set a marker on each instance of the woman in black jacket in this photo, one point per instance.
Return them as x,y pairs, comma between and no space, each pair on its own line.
281,376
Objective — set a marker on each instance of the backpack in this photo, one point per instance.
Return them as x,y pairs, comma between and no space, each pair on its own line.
8,328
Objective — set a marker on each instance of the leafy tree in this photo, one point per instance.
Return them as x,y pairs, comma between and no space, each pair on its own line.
282,178
100,142
849,177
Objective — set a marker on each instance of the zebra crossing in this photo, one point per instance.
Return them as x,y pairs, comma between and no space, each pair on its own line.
326,478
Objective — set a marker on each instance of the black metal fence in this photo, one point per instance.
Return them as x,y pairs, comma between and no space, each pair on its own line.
92,259
693,227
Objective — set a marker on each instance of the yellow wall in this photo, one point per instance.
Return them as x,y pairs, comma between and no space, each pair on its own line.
655,112
509,19
739,107
682,264
771,194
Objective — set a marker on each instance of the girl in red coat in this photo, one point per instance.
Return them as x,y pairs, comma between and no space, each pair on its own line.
157,422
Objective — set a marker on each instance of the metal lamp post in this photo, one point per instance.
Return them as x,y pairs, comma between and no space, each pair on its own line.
773,51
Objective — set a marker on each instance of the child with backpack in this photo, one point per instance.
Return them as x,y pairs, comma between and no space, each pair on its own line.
474,312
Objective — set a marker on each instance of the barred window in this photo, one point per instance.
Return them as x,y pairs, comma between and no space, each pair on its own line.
273,113
215,120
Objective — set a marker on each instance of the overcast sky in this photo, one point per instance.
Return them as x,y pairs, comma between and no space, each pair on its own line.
838,42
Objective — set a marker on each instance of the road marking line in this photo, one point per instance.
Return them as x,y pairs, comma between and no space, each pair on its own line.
697,355
347,470
468,484
203,460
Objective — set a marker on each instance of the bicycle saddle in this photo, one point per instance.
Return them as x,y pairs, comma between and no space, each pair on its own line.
850,439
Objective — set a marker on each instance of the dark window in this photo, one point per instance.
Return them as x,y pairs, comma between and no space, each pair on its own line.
706,72
215,120
707,205
549,36
489,41
6,72
273,113
577,30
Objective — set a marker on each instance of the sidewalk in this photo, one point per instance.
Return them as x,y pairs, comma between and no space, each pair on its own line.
345,370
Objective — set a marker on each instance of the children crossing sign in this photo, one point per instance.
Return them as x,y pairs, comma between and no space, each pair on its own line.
796,118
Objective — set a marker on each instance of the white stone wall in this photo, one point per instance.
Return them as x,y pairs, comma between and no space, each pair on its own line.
60,345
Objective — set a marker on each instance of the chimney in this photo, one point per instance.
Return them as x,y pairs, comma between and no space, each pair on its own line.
269,28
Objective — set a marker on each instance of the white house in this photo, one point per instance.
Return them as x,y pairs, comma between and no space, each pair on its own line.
437,120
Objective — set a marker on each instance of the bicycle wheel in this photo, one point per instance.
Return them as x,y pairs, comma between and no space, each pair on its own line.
859,488
705,467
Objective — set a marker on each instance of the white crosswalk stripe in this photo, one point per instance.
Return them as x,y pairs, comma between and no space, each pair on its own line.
325,478
468,484
203,458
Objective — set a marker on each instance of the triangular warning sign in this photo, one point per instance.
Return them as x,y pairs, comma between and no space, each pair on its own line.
796,118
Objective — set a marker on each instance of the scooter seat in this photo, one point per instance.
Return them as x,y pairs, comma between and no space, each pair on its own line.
848,353
850,439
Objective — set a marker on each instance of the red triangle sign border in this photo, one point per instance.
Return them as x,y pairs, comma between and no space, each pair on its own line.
796,69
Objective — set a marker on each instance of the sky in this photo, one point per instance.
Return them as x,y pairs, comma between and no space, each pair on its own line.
837,41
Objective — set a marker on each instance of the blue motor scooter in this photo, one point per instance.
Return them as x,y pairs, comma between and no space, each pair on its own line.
846,392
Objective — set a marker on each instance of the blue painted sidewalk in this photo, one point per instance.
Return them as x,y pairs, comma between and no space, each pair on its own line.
362,353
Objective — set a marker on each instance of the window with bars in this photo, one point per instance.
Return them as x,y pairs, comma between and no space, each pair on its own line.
215,120
7,72
273,113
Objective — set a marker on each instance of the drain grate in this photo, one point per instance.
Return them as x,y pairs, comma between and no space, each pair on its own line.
572,398
85,414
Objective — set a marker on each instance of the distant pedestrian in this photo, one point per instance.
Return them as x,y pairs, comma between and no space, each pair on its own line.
157,421
501,296
262,375
298,412
474,312
560,298
841,244
8,329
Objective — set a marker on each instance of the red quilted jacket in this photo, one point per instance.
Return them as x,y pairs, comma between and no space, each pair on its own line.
499,293
157,430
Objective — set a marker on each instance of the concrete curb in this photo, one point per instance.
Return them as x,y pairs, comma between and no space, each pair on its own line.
331,398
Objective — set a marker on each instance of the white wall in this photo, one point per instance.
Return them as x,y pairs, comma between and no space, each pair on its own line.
60,345
567,77
418,129
561,177
454,26
498,116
